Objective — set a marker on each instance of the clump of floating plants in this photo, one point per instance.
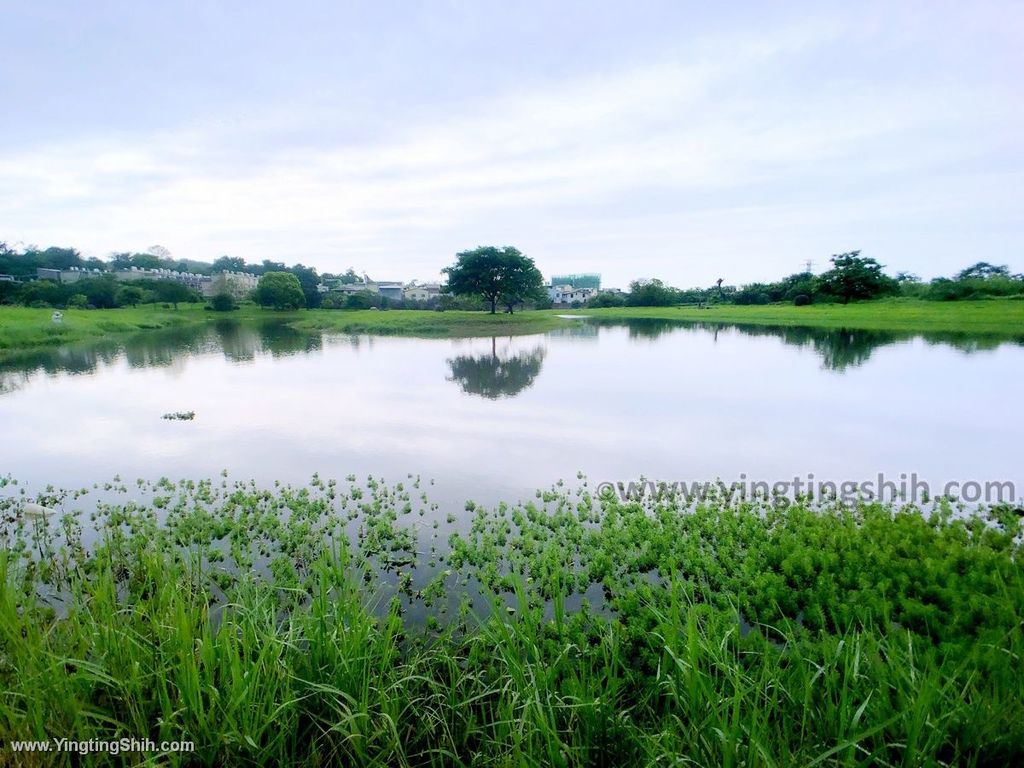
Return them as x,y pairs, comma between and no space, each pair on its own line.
361,624
179,416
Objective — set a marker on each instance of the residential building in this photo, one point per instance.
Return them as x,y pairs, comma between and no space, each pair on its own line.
425,292
567,295
238,285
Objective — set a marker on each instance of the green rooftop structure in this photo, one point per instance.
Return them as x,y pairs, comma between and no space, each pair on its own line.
588,280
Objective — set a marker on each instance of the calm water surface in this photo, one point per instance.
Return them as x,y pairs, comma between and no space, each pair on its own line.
497,418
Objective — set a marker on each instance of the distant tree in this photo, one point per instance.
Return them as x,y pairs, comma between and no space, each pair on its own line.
362,300
60,258
606,299
170,291
982,270
10,292
271,266
309,281
650,293
349,277
78,301
43,293
334,301
229,264
130,295
523,283
223,302
493,273
280,290
160,252
854,277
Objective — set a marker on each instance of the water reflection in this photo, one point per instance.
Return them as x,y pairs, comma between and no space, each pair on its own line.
238,342
492,376
495,376
839,348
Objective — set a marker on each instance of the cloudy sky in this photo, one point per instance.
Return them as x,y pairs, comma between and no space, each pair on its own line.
681,140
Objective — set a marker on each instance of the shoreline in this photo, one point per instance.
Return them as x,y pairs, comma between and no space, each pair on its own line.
24,329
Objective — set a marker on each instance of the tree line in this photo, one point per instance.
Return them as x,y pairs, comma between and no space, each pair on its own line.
486,277
851,277
101,291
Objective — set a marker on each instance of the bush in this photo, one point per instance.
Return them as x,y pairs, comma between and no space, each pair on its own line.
801,300
78,301
223,302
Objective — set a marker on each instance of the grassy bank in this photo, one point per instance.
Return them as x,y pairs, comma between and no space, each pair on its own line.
995,316
24,329
364,626
426,323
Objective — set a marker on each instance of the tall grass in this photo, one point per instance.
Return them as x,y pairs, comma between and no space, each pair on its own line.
270,627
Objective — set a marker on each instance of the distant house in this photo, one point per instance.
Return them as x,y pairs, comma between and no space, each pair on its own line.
567,295
74,274
390,290
238,285
7,279
425,292
350,289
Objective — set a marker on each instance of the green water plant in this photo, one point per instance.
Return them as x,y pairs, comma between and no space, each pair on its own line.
324,624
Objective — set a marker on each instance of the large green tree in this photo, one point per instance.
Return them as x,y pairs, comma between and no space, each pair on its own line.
502,275
280,290
308,280
854,277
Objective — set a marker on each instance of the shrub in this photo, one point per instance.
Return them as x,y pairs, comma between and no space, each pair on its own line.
223,302
801,300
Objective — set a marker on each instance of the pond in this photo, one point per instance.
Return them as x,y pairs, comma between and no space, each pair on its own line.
497,418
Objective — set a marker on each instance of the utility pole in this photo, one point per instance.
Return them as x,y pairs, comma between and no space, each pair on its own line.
808,265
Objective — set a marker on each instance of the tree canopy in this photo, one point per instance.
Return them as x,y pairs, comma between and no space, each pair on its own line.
498,275
854,277
280,290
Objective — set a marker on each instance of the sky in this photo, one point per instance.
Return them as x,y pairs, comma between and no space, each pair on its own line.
680,140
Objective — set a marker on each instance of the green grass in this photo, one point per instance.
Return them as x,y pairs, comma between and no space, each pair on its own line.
24,329
328,625
995,316
427,323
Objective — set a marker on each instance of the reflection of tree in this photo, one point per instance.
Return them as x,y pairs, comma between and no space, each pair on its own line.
840,348
493,376
280,340
238,341
579,330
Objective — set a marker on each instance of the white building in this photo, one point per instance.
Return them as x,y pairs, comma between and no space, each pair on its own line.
238,285
425,292
567,295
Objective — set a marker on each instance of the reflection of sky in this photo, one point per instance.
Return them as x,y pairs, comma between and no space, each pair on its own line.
685,405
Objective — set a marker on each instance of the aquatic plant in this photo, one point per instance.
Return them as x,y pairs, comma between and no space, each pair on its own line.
327,624
179,416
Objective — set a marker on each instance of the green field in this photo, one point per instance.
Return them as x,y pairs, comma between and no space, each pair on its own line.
23,328
995,316
360,624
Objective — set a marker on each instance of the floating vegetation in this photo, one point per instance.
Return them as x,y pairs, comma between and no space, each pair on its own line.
179,416
324,625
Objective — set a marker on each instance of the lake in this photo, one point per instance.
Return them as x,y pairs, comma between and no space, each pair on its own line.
497,418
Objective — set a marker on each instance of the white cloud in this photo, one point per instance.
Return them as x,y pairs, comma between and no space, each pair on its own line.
648,171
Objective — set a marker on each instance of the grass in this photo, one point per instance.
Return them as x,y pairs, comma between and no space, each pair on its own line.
994,316
328,625
426,323
23,329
